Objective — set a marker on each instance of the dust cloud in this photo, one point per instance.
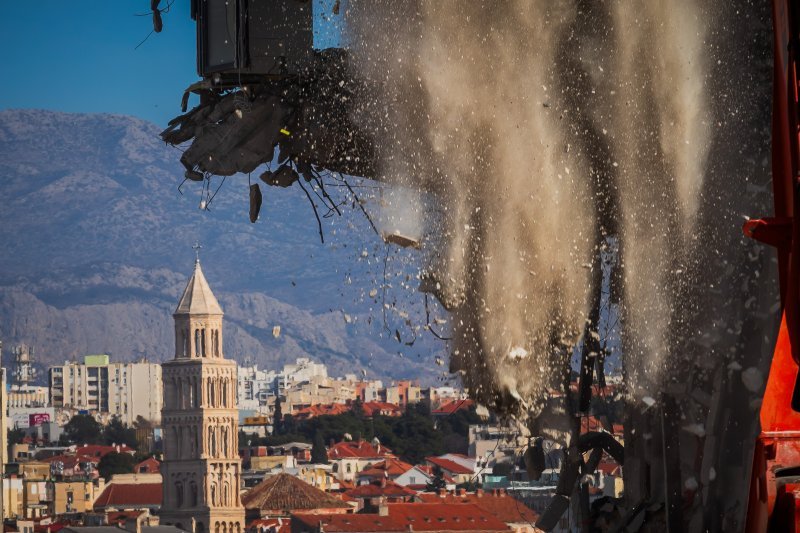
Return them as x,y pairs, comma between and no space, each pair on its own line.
541,128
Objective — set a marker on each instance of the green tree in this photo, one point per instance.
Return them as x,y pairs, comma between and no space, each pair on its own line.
319,454
117,433
437,481
277,417
357,408
82,429
116,463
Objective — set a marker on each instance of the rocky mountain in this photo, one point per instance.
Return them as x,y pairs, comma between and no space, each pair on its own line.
97,235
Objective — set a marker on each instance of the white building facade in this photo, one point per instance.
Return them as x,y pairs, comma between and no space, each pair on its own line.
124,390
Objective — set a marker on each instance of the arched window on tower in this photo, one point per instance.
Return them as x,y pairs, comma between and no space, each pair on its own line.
178,494
195,392
203,336
212,442
193,494
211,393
216,343
224,394
197,343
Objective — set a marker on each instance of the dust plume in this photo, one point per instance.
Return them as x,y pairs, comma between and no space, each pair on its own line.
477,105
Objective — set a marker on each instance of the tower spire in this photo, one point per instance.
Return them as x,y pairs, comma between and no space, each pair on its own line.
197,247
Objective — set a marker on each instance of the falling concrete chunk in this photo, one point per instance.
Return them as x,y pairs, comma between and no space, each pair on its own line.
698,430
648,401
401,240
517,353
753,379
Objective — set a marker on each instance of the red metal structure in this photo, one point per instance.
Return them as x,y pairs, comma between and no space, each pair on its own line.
774,502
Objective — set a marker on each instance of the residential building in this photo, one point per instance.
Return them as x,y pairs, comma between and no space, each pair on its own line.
403,393
74,496
449,465
201,469
29,396
351,457
130,492
255,387
124,390
389,468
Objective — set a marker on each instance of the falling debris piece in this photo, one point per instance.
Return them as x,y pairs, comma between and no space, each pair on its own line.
285,176
276,331
439,361
734,366
691,484
648,401
697,430
517,353
193,175
347,318
255,202
400,240
752,379
373,293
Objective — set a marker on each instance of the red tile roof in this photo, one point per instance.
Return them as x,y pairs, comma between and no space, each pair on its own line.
97,450
129,496
448,465
148,466
284,493
358,450
120,517
389,467
381,408
497,503
406,517
321,409
386,487
448,408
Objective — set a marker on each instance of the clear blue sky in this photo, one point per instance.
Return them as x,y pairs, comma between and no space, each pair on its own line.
78,56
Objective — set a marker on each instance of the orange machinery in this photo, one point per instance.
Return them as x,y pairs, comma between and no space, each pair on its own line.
774,501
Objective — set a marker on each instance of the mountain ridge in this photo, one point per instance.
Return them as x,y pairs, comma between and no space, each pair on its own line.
97,245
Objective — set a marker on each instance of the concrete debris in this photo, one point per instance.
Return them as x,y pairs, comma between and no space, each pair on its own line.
753,379
307,119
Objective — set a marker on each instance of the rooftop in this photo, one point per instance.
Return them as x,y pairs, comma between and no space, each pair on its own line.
385,487
358,450
197,298
497,503
284,493
130,496
390,467
406,517
449,466
452,406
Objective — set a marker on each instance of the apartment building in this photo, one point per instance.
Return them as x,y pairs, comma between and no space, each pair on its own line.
125,390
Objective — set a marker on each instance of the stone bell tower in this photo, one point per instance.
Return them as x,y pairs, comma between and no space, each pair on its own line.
201,470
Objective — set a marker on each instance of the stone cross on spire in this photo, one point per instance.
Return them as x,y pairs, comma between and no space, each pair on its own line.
197,247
